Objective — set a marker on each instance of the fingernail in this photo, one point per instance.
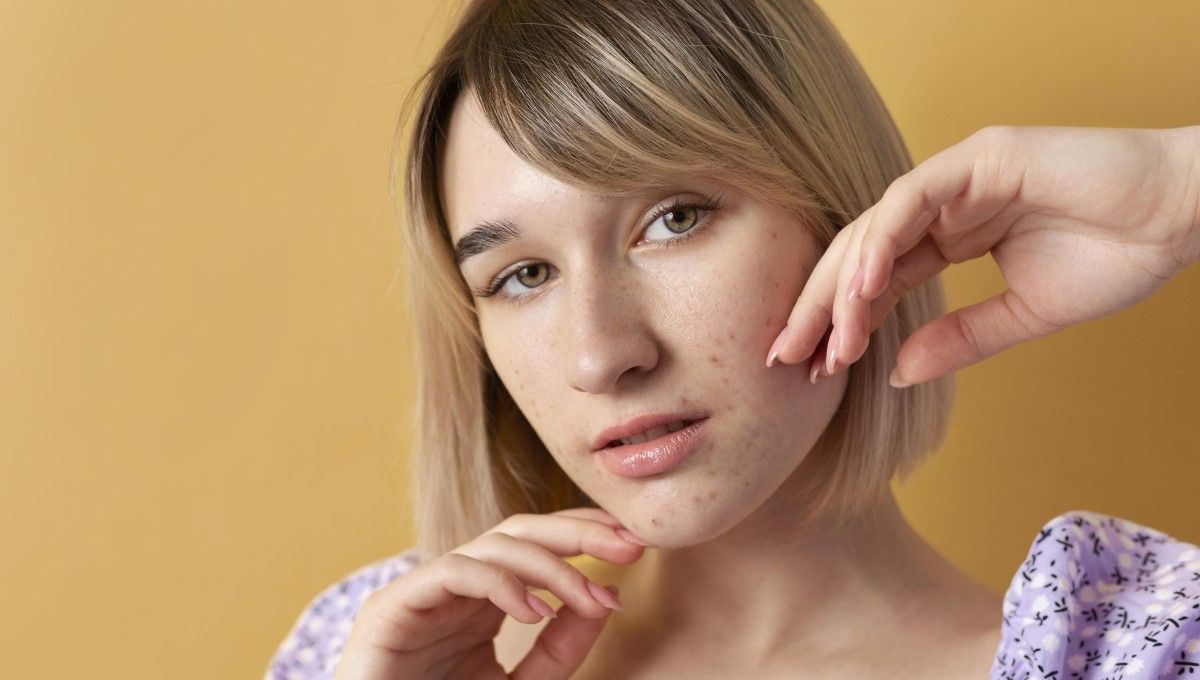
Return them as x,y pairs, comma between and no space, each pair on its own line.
812,373
628,536
605,597
539,605
863,272
776,346
855,284
831,358
895,381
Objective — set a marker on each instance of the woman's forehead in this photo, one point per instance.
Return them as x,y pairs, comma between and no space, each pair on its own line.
483,181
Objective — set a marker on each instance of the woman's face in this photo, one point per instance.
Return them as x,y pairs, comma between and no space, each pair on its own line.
609,313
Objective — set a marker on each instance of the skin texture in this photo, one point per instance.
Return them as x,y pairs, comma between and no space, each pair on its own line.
616,331
615,325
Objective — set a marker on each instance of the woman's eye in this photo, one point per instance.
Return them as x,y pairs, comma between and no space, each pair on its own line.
527,277
677,220
680,221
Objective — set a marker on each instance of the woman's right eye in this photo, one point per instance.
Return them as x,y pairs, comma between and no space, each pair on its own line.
526,275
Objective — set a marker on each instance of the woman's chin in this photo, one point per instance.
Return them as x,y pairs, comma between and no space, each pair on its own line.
675,527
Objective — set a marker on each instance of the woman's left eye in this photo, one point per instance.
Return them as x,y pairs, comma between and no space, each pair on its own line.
678,219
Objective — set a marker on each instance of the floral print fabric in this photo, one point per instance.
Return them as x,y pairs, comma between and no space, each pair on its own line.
312,649
1097,598
1105,598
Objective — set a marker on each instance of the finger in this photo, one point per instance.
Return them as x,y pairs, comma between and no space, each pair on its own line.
813,311
596,514
605,517
393,611
816,367
966,336
572,534
848,339
920,264
907,207
561,647
535,565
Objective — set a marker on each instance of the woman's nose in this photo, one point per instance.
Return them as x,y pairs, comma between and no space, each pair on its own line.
609,334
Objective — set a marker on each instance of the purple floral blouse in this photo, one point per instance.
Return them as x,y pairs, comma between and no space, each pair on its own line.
1097,597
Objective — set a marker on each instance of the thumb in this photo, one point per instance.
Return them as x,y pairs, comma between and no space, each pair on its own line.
562,646
964,337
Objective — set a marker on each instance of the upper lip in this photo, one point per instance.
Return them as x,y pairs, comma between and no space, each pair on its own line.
640,424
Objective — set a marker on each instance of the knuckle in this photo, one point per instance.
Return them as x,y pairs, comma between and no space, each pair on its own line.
996,134
452,560
511,521
570,578
493,538
507,522
501,579
968,334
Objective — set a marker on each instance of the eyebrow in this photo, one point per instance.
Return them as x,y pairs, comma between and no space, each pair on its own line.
484,237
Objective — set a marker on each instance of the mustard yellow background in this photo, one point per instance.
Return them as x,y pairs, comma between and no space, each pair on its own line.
203,346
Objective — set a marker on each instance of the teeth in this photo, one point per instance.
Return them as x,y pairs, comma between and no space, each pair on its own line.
654,432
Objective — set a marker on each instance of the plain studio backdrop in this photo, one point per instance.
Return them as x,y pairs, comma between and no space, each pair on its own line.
203,342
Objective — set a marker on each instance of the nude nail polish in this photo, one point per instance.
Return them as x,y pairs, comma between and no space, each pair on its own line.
776,346
605,597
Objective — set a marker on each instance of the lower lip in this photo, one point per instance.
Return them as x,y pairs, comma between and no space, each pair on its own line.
655,455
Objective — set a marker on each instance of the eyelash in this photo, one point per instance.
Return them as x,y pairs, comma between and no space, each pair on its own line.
710,205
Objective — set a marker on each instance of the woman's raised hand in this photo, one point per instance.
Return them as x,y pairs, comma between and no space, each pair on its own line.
438,620
1082,222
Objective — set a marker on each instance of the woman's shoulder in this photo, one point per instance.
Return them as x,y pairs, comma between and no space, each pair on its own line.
1101,596
313,646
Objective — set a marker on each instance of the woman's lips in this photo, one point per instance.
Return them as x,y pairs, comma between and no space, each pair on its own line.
655,455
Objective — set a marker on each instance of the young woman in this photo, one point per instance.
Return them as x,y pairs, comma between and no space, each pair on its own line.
663,258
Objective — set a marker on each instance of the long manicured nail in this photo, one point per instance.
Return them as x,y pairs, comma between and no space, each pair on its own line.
895,381
776,346
540,606
855,285
831,358
629,536
605,597
864,273
812,373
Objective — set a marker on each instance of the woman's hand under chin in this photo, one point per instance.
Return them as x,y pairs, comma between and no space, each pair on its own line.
1082,222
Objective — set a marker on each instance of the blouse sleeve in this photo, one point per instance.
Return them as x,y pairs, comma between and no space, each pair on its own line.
1102,597
313,647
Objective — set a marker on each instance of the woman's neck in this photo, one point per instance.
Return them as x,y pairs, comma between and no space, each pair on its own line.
768,594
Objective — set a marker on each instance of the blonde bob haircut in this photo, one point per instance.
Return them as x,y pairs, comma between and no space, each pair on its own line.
613,96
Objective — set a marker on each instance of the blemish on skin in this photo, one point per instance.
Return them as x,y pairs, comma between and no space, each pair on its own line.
714,359
654,521
696,500
712,494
